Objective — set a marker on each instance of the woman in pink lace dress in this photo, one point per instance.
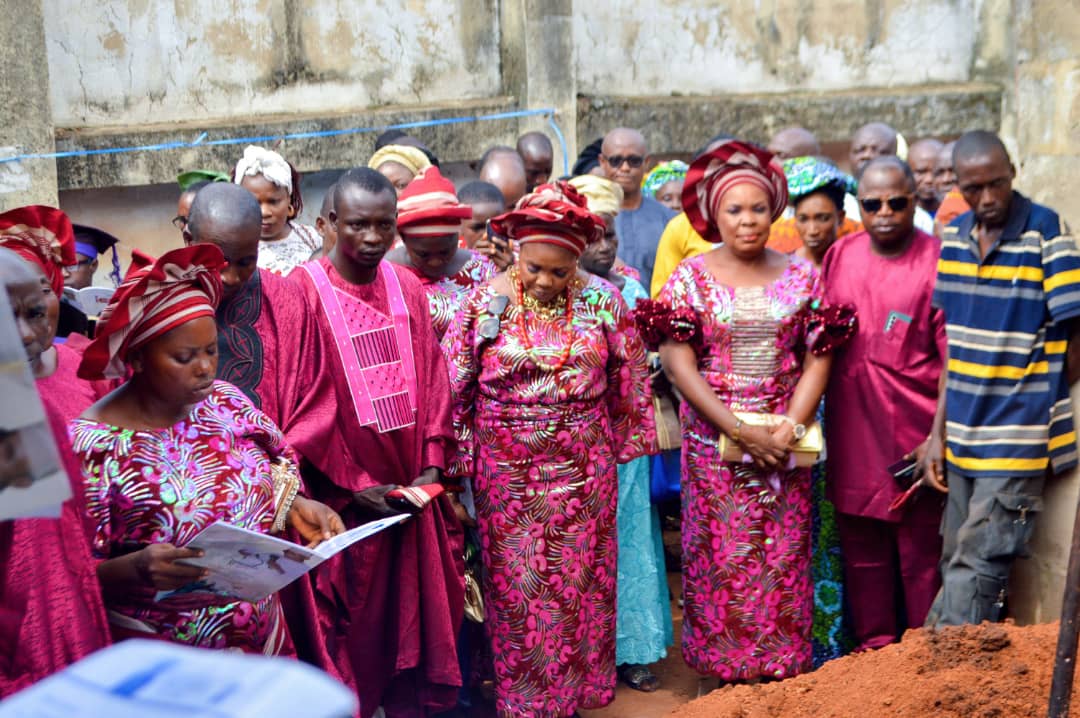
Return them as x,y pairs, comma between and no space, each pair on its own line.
429,219
550,383
742,329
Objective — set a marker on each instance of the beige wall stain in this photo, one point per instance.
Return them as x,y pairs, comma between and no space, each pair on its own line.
133,62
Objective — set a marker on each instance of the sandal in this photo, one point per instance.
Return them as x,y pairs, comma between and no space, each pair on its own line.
639,677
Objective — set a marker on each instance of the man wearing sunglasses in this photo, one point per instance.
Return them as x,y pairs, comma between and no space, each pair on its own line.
624,157
1008,284
877,139
882,395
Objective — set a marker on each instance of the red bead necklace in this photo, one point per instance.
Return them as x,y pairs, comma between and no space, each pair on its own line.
568,315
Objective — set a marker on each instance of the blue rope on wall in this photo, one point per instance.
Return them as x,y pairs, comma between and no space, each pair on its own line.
202,138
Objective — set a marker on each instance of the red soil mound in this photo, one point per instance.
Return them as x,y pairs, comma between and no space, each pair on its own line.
986,671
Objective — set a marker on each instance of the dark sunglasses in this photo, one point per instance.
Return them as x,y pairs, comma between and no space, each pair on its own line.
873,204
179,221
634,161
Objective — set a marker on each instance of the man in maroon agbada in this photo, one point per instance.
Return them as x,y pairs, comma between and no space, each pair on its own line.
269,347
402,590
880,406
51,610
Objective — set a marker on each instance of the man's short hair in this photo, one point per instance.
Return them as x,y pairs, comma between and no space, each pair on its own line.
889,161
477,192
362,178
497,150
978,143
223,202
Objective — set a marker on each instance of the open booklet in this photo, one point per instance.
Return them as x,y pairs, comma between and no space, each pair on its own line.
250,566
90,300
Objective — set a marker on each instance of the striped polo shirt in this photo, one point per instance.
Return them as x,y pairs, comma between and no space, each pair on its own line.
1007,400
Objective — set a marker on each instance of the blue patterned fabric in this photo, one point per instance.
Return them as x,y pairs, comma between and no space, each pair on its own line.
831,632
643,627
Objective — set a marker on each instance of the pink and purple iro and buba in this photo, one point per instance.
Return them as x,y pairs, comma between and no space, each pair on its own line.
746,532
542,449
166,486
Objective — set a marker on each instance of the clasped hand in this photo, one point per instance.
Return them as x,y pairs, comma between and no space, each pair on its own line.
768,447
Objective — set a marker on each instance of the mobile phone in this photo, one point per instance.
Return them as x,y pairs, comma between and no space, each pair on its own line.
903,472
496,241
901,468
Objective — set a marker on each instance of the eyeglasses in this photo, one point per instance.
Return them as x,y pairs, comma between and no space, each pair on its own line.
616,161
873,205
78,265
179,221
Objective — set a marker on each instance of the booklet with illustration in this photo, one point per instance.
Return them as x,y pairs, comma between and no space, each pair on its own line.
250,566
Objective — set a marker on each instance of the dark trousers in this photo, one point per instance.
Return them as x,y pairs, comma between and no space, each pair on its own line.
891,570
987,525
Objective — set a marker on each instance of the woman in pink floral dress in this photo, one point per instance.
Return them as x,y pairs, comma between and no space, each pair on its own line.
172,451
742,329
429,219
550,382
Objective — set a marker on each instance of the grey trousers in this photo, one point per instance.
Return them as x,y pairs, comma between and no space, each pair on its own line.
987,524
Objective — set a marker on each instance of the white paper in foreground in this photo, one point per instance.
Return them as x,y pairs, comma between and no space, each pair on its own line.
156,679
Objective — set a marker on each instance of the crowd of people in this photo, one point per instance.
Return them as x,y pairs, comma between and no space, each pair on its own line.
871,373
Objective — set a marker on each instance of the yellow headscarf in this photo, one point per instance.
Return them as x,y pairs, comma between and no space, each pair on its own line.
411,158
603,195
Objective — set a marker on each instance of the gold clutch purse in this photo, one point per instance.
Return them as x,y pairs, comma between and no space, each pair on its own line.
806,452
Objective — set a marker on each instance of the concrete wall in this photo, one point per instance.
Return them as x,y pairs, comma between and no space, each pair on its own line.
131,72
132,62
1042,118
695,47
1043,106
25,115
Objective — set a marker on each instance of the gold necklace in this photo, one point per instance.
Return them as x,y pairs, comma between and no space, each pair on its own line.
547,311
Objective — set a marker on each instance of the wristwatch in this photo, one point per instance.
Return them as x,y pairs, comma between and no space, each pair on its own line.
797,430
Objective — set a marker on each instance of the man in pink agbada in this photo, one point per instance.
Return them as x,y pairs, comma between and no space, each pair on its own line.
269,347
402,591
880,406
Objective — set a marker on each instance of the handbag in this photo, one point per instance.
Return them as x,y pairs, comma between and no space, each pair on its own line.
665,413
474,596
664,476
805,452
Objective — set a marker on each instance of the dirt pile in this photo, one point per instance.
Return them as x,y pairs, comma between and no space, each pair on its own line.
987,671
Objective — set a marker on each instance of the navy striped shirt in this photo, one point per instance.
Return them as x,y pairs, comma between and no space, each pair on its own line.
1006,317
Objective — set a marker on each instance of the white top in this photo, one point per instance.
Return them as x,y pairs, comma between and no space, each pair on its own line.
283,255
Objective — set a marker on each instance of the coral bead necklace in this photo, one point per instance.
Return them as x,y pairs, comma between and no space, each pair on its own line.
547,312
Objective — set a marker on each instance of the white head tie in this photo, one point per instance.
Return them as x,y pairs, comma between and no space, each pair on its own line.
269,164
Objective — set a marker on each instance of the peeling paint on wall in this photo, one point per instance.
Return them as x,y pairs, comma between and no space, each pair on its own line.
698,47
13,175
132,62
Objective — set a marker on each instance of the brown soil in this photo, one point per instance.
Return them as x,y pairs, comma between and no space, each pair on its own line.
986,671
